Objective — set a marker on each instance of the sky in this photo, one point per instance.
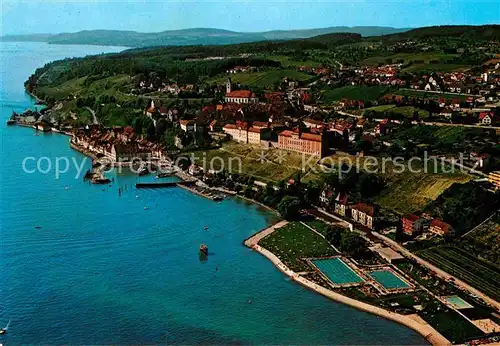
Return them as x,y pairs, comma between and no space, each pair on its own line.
55,16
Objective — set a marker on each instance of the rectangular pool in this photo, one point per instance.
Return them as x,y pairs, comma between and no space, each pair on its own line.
388,279
337,271
458,303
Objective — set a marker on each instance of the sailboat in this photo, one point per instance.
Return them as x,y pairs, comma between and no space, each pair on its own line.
4,330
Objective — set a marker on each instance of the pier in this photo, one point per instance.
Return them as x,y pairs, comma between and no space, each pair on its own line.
159,185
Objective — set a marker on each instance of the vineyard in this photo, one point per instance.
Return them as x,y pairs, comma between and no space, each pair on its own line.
479,274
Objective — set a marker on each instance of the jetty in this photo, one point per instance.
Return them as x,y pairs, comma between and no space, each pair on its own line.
163,184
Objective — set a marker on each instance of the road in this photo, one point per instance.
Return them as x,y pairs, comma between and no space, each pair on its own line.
427,122
94,118
439,272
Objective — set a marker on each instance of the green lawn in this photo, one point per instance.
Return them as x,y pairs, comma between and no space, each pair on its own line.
423,94
278,164
264,79
484,241
406,111
479,274
296,241
407,57
318,225
355,92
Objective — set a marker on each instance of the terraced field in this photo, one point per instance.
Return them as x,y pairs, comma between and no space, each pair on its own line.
459,263
264,79
357,92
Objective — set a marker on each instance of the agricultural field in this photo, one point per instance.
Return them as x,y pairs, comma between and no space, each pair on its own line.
410,192
480,274
406,111
406,192
484,241
418,68
429,95
287,61
355,92
277,164
407,57
295,241
264,79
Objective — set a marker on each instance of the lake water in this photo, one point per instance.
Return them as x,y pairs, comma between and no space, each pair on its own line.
80,263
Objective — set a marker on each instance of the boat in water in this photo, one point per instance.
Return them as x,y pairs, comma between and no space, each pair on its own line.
204,249
4,329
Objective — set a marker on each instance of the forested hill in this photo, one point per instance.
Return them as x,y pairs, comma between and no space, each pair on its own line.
486,32
197,36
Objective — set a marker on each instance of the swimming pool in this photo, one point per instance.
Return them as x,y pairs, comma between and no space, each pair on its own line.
388,279
337,271
458,303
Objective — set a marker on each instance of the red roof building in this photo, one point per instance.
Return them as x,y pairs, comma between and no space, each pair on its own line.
412,224
305,143
440,227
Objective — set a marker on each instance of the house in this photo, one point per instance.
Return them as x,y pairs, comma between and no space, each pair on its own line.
325,196
440,227
412,224
485,118
187,125
340,206
195,170
44,127
305,143
481,159
363,213
313,123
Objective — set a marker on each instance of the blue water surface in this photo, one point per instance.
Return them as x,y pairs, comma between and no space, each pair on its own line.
82,264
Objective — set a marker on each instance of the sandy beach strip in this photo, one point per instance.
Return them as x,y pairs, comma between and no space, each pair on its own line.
414,322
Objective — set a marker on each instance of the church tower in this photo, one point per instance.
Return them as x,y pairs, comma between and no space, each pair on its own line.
228,86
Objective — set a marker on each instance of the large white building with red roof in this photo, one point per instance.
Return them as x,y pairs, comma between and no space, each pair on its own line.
239,96
305,143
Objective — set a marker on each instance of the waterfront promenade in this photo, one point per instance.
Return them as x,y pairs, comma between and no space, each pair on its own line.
411,321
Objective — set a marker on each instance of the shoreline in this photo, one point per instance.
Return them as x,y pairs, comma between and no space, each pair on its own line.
413,322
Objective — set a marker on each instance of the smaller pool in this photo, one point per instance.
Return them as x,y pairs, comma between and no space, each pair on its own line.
457,302
388,279
337,271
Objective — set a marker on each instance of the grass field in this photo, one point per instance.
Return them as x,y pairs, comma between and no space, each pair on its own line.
355,92
264,79
296,241
247,159
417,68
407,57
288,61
479,274
406,191
406,111
429,95
484,241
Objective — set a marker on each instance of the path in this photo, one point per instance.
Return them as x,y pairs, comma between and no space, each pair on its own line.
94,118
439,272
254,240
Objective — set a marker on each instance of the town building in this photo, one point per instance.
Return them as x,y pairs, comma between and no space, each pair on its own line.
363,213
325,196
243,133
388,254
305,143
412,224
485,118
239,96
340,206
440,227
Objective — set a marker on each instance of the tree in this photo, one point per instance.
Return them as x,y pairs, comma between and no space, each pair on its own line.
352,245
289,207
334,235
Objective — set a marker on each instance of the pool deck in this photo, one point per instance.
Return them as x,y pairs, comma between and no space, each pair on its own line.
410,321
